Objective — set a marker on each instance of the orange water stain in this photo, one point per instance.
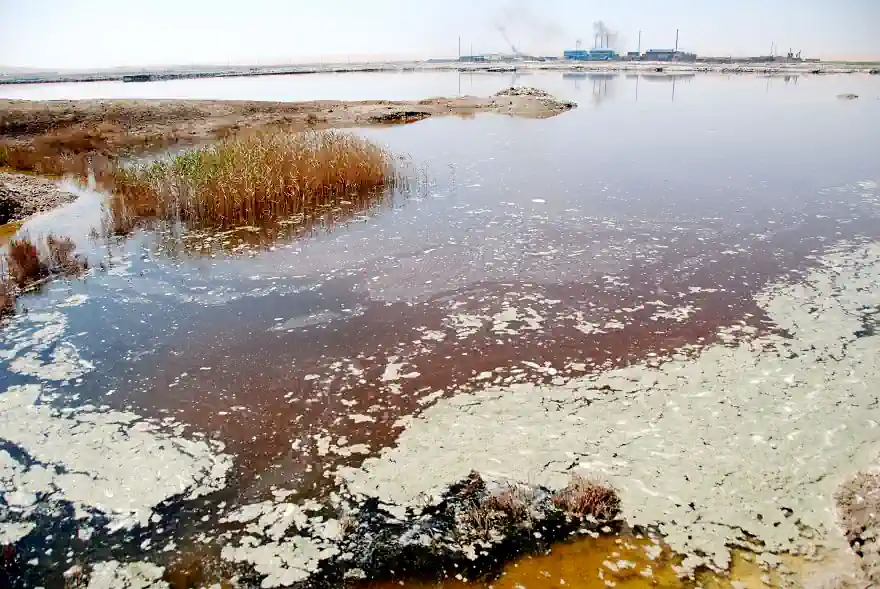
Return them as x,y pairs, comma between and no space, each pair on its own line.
621,562
625,562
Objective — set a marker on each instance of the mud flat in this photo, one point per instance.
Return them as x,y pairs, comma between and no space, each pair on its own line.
743,446
726,66
24,195
114,126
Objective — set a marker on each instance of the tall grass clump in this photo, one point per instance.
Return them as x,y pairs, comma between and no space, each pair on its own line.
247,179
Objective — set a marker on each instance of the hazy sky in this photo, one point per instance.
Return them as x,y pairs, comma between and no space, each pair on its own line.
107,33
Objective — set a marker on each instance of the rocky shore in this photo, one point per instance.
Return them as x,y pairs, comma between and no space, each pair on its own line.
23,195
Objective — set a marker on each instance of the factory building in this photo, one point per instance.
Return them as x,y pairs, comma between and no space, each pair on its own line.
668,55
590,54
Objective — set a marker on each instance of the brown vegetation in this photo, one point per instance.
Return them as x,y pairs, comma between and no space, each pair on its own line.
513,500
248,179
23,262
7,298
26,266
70,137
585,497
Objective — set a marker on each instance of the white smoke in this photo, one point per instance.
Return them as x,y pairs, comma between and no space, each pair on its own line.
604,36
517,20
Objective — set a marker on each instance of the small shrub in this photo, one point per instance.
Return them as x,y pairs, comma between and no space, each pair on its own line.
480,518
24,263
62,260
585,497
514,501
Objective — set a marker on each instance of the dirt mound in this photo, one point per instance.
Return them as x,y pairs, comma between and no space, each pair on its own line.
524,91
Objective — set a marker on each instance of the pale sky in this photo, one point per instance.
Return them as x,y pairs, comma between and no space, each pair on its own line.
110,33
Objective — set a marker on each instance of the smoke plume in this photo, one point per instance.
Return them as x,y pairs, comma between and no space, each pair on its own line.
532,28
604,36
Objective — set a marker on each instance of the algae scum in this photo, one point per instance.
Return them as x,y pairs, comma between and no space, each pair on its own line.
673,288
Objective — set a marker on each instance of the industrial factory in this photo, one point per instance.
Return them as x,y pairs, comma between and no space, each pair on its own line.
603,49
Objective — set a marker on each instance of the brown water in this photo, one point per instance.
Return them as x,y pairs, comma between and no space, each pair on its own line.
626,562
630,228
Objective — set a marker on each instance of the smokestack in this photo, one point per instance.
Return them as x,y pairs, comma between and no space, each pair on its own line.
459,47
640,42
676,40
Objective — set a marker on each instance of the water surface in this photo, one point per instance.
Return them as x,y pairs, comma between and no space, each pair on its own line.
631,227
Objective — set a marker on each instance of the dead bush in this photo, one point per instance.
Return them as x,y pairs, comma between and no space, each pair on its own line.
513,500
62,259
24,263
480,518
587,497
7,298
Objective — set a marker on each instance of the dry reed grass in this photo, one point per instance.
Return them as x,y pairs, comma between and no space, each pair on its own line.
249,179
25,265
480,519
23,262
7,298
513,500
584,497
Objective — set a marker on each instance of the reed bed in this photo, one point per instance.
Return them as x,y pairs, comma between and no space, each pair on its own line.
249,179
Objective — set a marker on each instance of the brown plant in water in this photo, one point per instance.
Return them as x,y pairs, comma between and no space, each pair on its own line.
25,265
480,518
62,259
585,497
514,501
7,298
23,262
249,179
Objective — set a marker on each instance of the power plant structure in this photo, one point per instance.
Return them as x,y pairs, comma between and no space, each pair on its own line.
603,50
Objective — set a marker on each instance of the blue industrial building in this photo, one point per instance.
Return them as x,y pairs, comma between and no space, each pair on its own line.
590,54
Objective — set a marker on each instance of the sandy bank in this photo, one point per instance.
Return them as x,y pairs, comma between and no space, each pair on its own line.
113,126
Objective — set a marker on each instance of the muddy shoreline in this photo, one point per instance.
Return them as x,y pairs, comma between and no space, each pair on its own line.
23,195
732,66
63,137
138,123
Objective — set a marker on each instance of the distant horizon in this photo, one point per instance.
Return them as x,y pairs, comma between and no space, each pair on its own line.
57,35
337,60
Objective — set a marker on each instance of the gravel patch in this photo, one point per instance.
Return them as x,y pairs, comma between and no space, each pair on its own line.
23,195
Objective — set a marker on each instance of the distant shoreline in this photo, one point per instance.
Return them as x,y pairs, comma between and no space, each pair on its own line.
159,74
